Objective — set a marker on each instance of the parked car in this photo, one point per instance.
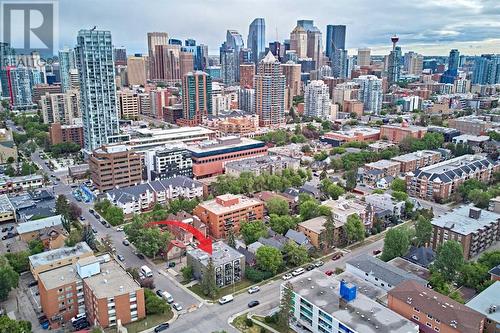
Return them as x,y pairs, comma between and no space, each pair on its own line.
226,299
32,284
140,255
329,273
125,242
94,231
107,225
310,267
253,303
159,292
319,263
287,276
162,327
337,256
78,317
82,218
253,290
177,306
91,211
4,229
10,228
81,325
120,257
375,252
119,229
298,271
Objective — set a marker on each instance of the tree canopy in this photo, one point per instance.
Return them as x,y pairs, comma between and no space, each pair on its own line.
252,231
277,206
354,228
396,243
449,259
269,259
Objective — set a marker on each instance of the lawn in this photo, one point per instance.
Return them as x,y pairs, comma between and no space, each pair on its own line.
239,323
148,322
242,285
273,325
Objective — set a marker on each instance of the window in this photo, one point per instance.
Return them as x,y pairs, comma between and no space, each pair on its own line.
415,317
416,310
429,316
436,329
428,324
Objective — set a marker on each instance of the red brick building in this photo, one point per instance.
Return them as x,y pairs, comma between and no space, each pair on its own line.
66,133
396,133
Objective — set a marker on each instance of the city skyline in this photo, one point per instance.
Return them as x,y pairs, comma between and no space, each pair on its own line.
467,25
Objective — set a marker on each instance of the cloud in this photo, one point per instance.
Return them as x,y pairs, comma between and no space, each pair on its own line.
427,26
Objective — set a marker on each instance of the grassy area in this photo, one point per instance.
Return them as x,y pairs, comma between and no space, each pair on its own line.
242,285
240,324
272,325
148,322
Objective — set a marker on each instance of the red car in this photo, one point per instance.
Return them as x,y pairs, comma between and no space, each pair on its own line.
329,273
337,256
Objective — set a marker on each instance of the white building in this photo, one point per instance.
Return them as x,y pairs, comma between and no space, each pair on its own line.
61,108
317,100
370,92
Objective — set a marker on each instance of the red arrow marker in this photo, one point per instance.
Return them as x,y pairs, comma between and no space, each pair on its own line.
205,242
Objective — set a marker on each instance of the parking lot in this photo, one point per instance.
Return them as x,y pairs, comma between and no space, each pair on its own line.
9,241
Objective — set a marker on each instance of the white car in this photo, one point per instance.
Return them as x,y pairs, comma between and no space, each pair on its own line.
298,271
253,290
226,299
287,276
119,229
177,306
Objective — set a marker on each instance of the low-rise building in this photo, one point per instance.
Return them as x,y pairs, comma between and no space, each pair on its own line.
261,164
209,157
396,133
358,133
168,163
375,171
115,166
386,202
419,159
494,205
380,146
227,212
8,147
322,304
315,229
448,133
7,210
66,133
442,180
35,229
143,197
64,256
229,264
20,184
343,208
432,311
181,234
379,273
487,304
474,125
474,228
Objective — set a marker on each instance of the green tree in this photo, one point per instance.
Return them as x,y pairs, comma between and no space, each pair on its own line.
333,191
423,231
19,261
114,216
154,304
469,185
8,325
9,279
399,196
252,231
399,185
74,211
62,206
480,198
309,208
354,228
473,275
88,236
396,243
490,259
329,234
295,255
187,273
75,236
281,224
208,284
350,179
277,206
35,246
286,306
269,259
231,239
449,260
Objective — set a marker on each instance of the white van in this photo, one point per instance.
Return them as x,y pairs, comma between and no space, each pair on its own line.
79,317
298,271
167,297
226,299
146,271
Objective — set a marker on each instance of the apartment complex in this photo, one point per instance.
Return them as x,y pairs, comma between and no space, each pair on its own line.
432,311
396,133
416,160
60,108
358,133
228,211
474,228
486,303
343,208
209,157
322,304
115,166
97,286
471,125
376,171
263,164
168,163
196,97
442,180
128,104
244,125
229,264
314,230
66,133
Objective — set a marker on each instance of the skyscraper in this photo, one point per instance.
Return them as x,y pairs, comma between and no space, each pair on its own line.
317,100
186,63
168,63
235,41
276,49
7,58
394,63
94,57
21,80
451,73
335,38
364,57
154,39
67,62
228,64
247,73
370,92
293,83
120,54
340,63
270,92
413,63
246,100
257,39
201,57
306,39
486,69
136,70
298,41
196,97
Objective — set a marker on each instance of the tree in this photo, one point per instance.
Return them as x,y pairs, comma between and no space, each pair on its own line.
354,228
269,259
114,216
295,255
469,185
286,306
334,191
423,231
350,179
154,304
480,198
281,224
88,236
396,243
490,259
75,236
208,284
231,239
62,206
74,211
277,206
309,208
9,279
252,231
449,259
399,185
473,275
399,196
35,246
19,261
8,325
187,273
329,234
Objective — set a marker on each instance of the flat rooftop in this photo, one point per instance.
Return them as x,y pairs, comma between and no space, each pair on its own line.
5,204
112,281
412,128
410,267
315,224
227,142
48,257
459,221
482,302
218,209
221,254
261,162
59,277
35,225
382,164
415,155
356,131
361,314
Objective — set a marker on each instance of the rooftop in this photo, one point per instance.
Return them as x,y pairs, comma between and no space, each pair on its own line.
30,226
355,131
442,308
405,127
469,137
231,202
323,292
315,224
410,267
382,164
113,280
221,254
5,204
485,301
214,146
59,277
20,179
48,257
261,162
415,155
455,167
460,221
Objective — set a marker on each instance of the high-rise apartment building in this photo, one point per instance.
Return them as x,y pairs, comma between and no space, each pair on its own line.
21,81
201,57
370,92
247,73
7,59
364,57
270,92
246,100
394,62
60,108
486,69
317,100
154,39
451,73
235,41
186,63
293,83
120,55
340,64
128,104
228,64
257,39
196,97
413,63
97,87
136,70
67,63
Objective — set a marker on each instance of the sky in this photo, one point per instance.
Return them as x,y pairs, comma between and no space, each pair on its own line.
430,27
